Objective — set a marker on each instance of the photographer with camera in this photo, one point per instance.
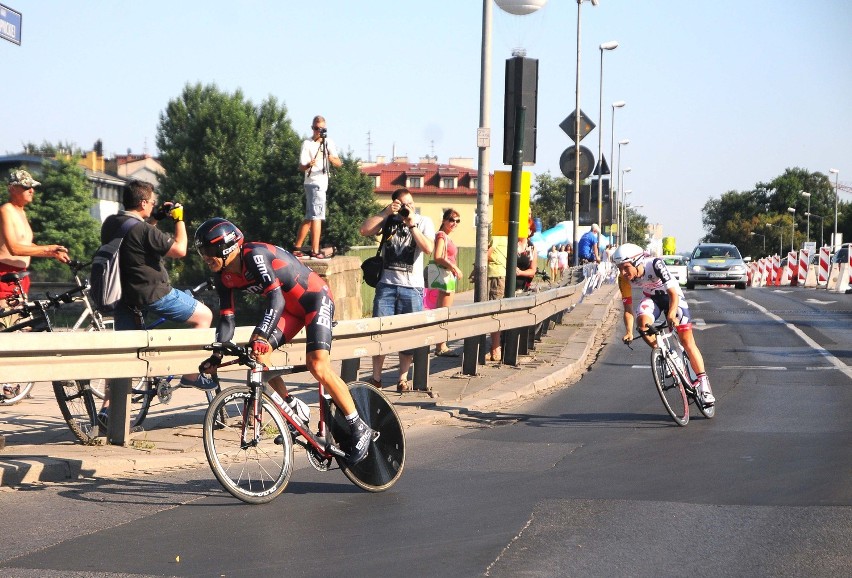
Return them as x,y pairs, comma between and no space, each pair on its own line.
400,288
145,285
318,152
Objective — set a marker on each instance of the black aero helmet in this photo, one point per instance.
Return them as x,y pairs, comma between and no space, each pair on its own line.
217,237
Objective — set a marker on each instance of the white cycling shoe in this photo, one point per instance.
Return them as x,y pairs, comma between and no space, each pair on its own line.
702,385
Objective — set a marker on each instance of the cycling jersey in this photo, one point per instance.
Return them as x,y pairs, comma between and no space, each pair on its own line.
296,297
655,283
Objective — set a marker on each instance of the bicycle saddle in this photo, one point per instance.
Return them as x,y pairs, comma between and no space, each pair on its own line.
15,276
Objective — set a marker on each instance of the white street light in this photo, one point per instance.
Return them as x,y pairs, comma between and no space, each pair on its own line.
613,185
611,45
836,173
808,213
621,143
764,240
576,231
821,227
792,227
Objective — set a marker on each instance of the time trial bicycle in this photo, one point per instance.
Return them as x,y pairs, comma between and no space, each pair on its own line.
249,432
674,376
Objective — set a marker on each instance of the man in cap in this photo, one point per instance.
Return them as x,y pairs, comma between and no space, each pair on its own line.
16,236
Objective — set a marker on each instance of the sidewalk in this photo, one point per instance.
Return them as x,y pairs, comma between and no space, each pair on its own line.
40,448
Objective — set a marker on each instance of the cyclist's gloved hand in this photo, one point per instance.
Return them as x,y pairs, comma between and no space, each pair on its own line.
211,363
259,346
163,210
176,212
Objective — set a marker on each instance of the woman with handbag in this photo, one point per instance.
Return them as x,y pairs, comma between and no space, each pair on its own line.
442,273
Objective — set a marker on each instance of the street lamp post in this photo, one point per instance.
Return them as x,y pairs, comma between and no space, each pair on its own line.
821,228
808,214
836,173
792,227
623,209
577,123
764,240
611,45
613,186
621,184
621,143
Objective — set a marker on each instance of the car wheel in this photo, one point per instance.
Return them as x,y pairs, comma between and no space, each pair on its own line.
690,285
742,286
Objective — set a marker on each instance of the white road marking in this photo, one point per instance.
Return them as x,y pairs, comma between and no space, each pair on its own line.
818,302
813,344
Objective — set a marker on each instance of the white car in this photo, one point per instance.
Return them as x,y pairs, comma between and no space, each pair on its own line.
676,266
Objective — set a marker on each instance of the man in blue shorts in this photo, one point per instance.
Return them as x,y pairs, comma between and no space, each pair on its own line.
145,286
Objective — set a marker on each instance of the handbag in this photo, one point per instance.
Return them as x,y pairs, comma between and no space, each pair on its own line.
437,277
372,267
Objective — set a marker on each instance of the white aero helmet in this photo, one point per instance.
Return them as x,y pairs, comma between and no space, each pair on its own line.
628,253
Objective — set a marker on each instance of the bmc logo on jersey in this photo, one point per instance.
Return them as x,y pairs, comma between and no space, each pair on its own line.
262,269
324,313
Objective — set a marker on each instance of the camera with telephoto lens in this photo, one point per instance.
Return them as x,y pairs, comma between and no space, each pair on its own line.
404,212
323,132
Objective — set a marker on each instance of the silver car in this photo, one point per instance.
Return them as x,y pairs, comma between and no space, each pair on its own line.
716,264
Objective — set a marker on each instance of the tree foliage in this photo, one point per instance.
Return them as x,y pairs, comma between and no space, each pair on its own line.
226,157
763,211
548,203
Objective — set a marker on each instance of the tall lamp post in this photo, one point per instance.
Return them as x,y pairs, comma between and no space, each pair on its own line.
613,186
621,143
808,214
792,228
821,227
836,173
621,192
611,45
764,240
624,194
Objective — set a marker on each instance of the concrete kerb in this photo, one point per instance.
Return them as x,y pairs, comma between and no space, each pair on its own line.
177,442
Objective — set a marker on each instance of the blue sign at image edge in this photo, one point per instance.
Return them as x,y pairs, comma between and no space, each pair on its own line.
10,24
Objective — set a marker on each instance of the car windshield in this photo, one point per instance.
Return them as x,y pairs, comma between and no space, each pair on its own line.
709,252
673,261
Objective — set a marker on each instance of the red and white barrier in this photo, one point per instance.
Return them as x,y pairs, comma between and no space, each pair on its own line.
804,263
792,271
824,263
776,270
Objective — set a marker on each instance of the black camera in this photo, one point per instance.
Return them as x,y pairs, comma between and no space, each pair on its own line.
323,132
404,212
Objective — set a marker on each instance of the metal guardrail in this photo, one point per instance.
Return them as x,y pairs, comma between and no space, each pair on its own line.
127,354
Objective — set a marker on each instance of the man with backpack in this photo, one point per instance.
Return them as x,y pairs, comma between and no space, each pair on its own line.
145,286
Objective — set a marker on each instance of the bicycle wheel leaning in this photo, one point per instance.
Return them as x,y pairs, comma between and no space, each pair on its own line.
12,393
384,464
258,470
669,387
78,408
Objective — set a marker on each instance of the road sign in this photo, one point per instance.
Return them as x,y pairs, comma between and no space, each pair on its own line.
603,170
483,137
567,162
10,25
569,127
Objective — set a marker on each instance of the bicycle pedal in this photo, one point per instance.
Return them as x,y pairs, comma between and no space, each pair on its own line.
279,440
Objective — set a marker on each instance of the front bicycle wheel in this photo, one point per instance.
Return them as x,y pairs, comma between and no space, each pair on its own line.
255,471
78,409
669,387
384,464
14,392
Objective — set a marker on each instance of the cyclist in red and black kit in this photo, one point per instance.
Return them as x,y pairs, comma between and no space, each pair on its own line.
296,297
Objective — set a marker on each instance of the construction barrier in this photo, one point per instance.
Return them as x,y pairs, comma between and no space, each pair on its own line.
777,272
792,270
824,263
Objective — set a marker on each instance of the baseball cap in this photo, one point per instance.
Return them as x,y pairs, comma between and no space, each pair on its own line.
23,178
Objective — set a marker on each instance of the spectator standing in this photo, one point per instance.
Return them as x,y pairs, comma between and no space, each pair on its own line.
317,155
564,260
145,285
525,270
497,257
446,258
587,248
16,235
400,288
553,261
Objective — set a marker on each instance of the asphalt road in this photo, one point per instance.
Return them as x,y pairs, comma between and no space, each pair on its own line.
592,480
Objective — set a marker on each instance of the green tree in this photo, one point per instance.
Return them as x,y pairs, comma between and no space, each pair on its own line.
636,225
60,214
548,202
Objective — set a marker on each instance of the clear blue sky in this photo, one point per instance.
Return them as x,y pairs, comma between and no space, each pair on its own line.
721,94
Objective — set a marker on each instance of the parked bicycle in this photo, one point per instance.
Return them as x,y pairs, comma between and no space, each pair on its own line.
674,376
249,433
144,390
89,319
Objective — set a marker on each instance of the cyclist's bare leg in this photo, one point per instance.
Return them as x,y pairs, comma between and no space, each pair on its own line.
687,339
201,318
319,364
644,322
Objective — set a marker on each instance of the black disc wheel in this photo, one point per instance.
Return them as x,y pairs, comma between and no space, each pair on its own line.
384,463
